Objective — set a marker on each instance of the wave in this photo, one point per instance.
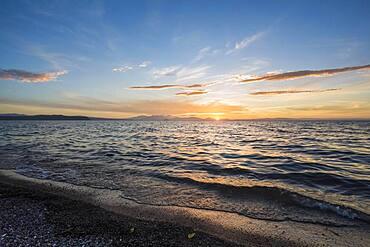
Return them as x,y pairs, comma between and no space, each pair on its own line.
277,195
292,173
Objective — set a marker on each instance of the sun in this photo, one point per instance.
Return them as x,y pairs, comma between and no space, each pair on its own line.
217,118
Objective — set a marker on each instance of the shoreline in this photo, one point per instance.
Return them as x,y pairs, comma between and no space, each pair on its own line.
30,218
223,226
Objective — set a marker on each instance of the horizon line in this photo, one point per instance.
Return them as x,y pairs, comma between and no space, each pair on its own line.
178,118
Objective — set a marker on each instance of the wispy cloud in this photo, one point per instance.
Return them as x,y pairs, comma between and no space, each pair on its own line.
30,77
191,93
254,64
58,60
191,73
303,73
246,42
144,64
168,86
293,91
218,79
167,71
123,69
204,52
126,68
182,73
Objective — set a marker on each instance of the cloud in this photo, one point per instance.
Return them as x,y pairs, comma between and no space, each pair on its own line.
303,73
254,64
126,68
191,93
144,64
30,77
59,61
123,69
202,53
191,73
211,81
182,73
218,79
168,86
246,42
167,71
293,91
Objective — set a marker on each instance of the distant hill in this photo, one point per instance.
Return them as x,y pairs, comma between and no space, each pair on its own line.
14,116
40,117
164,118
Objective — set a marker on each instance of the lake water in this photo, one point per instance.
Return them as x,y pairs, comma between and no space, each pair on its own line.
310,171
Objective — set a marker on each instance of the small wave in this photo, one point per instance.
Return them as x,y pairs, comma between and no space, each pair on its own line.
294,173
276,195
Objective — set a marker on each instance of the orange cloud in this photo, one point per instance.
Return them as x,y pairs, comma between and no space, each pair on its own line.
293,91
168,86
191,93
25,76
303,73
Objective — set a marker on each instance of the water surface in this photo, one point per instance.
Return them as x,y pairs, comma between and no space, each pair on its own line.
314,171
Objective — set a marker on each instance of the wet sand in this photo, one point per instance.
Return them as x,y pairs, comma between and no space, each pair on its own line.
40,212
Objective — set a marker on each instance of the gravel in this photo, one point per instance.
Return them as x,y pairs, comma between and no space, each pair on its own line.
31,219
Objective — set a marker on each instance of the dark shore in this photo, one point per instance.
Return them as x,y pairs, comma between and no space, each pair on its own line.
34,219
36,212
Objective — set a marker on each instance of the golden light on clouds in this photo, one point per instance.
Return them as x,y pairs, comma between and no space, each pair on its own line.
278,92
167,86
229,101
303,73
191,93
30,77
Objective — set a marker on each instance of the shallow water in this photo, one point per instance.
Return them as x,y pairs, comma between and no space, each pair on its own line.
311,171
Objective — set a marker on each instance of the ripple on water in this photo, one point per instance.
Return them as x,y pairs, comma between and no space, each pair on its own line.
255,168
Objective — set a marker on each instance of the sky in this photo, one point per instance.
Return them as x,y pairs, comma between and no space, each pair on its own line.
217,59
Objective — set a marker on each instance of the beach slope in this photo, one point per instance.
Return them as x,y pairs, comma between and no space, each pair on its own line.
35,211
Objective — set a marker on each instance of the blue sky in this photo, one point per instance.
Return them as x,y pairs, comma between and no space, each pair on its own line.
83,57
